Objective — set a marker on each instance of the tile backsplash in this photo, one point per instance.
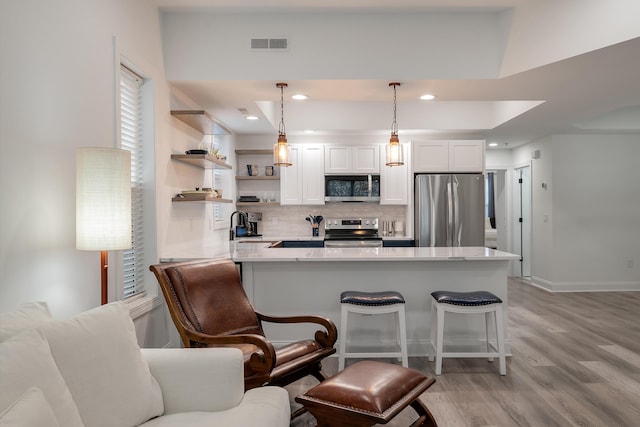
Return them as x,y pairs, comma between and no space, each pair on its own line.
285,221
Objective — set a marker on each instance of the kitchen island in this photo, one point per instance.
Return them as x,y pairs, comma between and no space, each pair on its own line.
290,281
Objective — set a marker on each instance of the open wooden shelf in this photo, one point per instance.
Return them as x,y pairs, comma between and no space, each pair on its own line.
204,161
257,204
248,152
201,121
258,178
200,198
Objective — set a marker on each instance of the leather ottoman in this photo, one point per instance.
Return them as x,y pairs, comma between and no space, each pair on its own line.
368,393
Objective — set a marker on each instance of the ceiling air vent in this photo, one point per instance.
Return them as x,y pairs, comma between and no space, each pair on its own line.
270,44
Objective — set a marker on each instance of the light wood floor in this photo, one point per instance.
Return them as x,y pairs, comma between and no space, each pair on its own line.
576,362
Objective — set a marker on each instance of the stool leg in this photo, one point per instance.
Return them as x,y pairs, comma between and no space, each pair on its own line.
431,348
487,327
402,321
343,338
500,338
439,338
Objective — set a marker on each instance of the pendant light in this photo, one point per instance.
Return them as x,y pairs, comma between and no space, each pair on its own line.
395,156
281,151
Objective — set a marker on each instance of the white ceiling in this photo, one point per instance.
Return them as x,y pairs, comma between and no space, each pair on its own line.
596,91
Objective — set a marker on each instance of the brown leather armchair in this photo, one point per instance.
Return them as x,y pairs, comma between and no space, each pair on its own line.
209,308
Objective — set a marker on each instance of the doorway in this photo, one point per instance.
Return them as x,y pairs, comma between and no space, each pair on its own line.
522,218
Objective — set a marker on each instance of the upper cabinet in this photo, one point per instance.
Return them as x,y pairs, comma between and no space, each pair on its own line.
345,160
302,183
394,181
448,156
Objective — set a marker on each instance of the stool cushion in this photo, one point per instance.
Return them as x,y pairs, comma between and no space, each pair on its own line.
466,298
372,389
371,298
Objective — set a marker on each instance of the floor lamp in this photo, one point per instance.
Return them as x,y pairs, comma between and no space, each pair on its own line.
103,204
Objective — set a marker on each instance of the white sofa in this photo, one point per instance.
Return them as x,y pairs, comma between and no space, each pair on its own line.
89,371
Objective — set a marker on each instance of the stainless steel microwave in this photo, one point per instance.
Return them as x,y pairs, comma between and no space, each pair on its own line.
352,188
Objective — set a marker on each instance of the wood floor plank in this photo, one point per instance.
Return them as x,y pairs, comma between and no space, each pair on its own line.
623,353
576,362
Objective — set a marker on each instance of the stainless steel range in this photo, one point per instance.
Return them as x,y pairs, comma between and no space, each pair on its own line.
352,233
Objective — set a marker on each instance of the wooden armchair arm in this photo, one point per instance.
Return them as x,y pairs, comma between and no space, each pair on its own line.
261,363
326,338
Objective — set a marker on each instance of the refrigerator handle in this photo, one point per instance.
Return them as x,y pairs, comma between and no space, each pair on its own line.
456,227
450,213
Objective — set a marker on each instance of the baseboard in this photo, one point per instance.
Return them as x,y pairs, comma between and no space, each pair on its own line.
584,286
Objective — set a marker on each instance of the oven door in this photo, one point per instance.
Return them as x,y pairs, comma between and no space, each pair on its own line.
353,243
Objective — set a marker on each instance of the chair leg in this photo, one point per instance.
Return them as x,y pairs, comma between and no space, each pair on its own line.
319,374
343,338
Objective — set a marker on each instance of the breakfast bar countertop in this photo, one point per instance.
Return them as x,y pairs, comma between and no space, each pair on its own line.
257,252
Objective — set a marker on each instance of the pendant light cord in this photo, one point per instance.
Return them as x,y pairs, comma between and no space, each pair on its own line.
281,128
394,124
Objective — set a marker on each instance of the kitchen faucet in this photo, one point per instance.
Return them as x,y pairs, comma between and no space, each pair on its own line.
245,221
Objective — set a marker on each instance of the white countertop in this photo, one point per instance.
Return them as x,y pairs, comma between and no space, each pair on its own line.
259,252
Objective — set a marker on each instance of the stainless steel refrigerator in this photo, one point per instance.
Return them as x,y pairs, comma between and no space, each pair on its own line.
449,210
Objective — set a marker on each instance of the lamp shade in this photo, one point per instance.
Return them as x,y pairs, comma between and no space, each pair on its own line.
103,199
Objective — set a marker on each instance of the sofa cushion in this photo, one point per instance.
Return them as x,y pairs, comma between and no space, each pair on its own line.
98,355
26,316
262,406
30,410
26,361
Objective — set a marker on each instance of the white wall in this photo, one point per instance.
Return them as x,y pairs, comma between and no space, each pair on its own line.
58,93
585,222
596,204
332,46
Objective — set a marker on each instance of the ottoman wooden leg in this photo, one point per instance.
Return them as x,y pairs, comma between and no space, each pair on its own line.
426,417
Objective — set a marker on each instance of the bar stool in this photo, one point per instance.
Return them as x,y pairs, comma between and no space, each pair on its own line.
370,303
467,303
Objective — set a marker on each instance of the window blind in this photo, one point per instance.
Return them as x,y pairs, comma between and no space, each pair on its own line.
131,139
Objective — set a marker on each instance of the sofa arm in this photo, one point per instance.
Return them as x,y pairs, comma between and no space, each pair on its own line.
197,379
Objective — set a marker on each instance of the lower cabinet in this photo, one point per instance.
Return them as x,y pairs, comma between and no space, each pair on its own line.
397,243
303,243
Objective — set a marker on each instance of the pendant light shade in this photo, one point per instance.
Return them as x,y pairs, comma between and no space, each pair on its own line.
394,153
281,150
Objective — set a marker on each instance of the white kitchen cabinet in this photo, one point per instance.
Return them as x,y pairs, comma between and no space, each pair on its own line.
394,181
449,156
346,160
312,175
302,183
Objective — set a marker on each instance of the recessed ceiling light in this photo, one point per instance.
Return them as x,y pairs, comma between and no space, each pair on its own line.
493,144
427,97
251,117
309,131
299,97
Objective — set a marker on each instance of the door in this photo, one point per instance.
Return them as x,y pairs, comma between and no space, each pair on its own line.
467,194
432,210
522,228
